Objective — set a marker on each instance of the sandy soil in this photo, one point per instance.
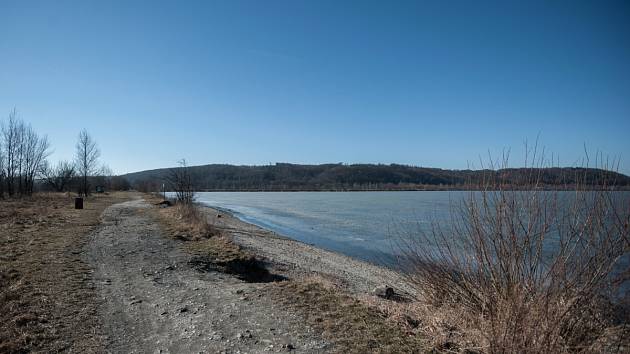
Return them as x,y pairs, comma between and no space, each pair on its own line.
154,300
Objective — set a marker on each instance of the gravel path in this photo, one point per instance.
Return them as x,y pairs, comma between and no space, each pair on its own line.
154,301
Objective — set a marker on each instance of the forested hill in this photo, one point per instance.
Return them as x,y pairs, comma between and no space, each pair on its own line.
292,177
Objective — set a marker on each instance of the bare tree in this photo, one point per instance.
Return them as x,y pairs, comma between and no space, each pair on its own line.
10,134
103,177
1,167
106,171
58,177
23,152
180,181
35,151
87,154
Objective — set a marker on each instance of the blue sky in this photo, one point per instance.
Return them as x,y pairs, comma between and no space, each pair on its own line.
430,83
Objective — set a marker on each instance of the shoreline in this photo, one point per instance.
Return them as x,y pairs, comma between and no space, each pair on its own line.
296,259
364,254
544,188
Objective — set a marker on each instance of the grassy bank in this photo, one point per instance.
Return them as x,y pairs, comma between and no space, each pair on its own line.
47,302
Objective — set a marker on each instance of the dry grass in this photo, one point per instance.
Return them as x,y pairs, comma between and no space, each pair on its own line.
525,271
220,249
47,301
444,329
184,221
348,323
188,223
213,250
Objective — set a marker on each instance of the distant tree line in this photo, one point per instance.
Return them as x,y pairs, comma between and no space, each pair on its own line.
340,177
24,165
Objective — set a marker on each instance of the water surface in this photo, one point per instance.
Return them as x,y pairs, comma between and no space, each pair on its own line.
358,224
363,225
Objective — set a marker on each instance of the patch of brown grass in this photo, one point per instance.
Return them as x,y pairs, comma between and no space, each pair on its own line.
445,329
219,248
213,251
350,325
47,301
190,223
186,222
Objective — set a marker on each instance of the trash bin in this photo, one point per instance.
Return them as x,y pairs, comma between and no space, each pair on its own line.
78,203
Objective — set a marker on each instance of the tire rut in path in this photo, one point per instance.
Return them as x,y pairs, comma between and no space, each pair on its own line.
153,300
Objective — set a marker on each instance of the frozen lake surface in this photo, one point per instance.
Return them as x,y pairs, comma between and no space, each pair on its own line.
358,224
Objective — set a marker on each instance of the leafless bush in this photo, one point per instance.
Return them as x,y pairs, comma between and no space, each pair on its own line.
179,180
58,177
528,271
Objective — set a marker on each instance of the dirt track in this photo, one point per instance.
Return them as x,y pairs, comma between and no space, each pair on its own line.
154,300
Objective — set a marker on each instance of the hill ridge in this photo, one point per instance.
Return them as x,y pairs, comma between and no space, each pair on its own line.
298,177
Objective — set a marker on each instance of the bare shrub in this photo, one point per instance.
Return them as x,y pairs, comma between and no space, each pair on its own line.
528,270
180,181
58,177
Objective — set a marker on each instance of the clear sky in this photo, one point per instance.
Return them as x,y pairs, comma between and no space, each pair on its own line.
430,83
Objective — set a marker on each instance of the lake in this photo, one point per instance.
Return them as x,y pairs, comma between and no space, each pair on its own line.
358,224
363,225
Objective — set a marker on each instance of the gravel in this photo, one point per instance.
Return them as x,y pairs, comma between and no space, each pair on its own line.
154,301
